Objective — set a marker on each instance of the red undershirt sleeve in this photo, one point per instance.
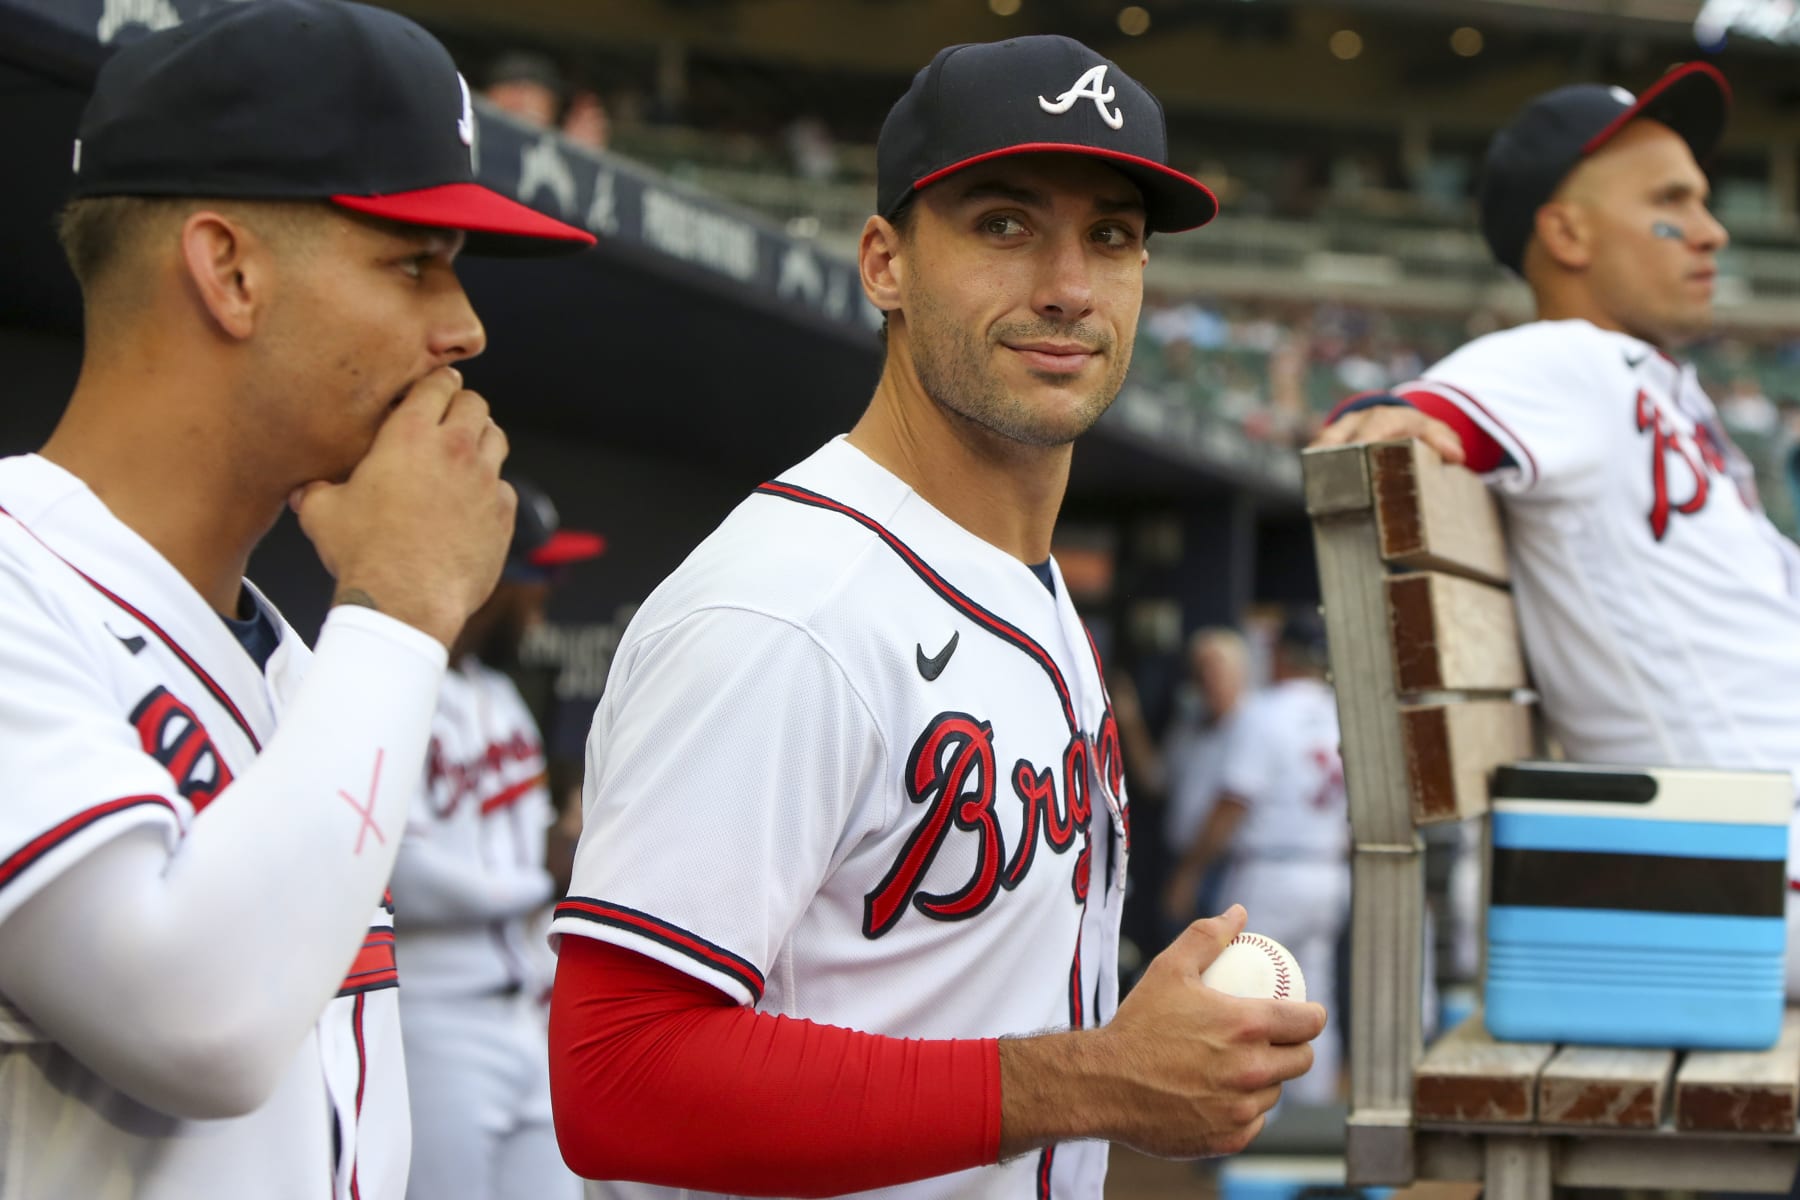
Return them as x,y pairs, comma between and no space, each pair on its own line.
659,1078
1481,453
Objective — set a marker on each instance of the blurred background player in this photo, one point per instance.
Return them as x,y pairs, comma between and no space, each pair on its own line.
1281,815
1194,754
469,884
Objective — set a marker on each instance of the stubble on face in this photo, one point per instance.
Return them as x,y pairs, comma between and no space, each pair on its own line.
955,366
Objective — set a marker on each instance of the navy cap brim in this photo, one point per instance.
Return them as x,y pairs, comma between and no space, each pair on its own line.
1693,100
1173,202
497,225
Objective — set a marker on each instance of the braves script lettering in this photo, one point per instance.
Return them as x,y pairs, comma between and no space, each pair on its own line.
1696,461
951,772
448,783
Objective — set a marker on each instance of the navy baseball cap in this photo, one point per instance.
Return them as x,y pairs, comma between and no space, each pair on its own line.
540,545
1528,160
302,100
1032,95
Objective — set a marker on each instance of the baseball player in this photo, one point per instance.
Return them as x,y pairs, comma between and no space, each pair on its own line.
854,806
1195,750
468,884
1281,814
1660,610
196,953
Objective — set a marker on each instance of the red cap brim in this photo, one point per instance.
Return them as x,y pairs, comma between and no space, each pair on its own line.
492,220
567,546
1691,99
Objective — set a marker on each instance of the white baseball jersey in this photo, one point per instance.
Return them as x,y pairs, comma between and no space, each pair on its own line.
471,868
1195,754
856,765
1657,604
1283,760
171,710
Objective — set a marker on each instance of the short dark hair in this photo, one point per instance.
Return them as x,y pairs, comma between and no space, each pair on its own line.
97,233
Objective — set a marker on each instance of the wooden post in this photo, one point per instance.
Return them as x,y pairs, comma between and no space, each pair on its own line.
1388,866
1517,1168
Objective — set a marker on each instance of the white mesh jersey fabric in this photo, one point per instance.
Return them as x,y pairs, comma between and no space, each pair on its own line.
780,801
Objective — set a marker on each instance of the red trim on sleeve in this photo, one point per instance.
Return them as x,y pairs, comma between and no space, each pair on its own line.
659,1078
16,863
1481,453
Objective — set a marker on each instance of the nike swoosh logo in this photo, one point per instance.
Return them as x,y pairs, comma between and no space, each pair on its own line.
133,643
934,666
1633,362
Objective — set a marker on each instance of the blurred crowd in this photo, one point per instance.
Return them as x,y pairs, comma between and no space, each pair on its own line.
1274,369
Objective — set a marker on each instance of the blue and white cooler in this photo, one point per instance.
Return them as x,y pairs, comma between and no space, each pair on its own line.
1637,906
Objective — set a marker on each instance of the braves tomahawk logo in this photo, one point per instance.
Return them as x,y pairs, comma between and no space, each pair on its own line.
952,773
172,735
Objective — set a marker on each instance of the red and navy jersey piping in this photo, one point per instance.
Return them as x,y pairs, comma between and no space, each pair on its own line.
993,623
682,941
187,660
16,864
362,1078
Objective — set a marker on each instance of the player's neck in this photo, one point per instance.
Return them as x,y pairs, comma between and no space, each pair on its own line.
1565,302
1004,493
161,476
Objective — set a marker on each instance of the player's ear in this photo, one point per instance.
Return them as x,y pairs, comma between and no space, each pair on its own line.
881,261
227,268
1566,234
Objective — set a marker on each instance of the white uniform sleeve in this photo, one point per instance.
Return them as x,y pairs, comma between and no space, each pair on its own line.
1249,770
1557,396
187,974
436,886
723,768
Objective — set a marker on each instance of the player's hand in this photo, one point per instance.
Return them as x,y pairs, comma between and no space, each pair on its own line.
1204,1068
420,529
1392,422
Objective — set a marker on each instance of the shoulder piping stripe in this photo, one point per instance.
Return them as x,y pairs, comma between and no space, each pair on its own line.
992,623
664,934
15,865
1498,423
218,693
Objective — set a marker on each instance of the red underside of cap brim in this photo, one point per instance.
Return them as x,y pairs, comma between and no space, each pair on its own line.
1683,76
567,546
1196,200
469,207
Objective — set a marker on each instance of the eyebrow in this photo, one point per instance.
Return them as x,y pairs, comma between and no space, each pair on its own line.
1030,198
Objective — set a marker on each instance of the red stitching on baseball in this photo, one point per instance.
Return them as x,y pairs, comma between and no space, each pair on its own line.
1276,960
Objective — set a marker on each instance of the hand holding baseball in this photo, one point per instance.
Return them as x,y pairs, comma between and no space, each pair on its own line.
420,528
1206,1066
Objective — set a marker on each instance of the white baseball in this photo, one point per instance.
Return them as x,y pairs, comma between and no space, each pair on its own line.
1256,968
